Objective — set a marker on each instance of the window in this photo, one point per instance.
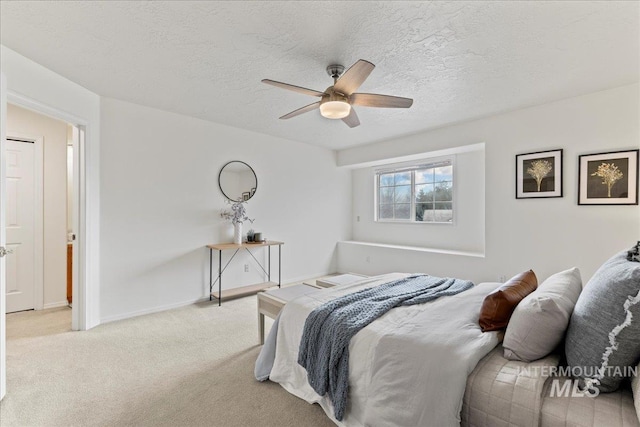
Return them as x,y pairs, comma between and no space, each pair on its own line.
417,193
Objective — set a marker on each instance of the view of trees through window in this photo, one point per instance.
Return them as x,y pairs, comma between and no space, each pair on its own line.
423,194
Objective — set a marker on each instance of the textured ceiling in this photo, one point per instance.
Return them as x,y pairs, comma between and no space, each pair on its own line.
458,60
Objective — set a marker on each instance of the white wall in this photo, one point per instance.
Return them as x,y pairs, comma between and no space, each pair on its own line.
24,122
546,235
69,179
161,203
32,85
465,234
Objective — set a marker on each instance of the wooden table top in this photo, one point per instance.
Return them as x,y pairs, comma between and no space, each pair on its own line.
225,246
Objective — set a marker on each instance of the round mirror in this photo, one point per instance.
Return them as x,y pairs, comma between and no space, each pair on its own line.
237,181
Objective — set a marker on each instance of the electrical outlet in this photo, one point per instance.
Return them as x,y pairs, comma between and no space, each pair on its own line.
246,268
503,279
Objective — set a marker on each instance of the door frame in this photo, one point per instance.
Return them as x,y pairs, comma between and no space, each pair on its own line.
38,176
3,238
79,307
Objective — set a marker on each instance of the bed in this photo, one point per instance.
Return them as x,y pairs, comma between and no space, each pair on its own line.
407,368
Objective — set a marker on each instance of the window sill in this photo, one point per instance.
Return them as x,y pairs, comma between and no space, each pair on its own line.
390,221
416,249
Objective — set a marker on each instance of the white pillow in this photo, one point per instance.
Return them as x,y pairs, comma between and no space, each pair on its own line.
539,322
635,385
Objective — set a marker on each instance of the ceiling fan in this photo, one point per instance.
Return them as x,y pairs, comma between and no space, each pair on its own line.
336,100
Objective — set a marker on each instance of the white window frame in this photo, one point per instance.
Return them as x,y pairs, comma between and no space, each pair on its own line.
412,166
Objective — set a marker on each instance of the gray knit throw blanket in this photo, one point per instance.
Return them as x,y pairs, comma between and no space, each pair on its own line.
324,347
633,254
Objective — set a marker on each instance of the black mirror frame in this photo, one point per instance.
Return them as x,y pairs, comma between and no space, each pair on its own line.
220,186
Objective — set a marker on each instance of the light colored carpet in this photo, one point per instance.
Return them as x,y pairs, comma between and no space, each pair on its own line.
191,366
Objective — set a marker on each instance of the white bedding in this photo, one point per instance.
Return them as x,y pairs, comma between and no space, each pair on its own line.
408,368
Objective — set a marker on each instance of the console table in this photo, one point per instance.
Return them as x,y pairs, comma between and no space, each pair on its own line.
244,290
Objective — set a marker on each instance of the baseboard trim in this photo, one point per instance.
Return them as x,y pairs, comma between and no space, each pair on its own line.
55,304
165,307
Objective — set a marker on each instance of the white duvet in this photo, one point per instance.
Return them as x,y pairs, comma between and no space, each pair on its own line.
408,368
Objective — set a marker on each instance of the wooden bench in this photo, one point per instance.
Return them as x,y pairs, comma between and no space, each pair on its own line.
271,302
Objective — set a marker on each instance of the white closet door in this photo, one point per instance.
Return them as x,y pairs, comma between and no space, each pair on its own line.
20,225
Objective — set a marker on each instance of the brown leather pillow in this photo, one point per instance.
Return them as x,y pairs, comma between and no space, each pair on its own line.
498,306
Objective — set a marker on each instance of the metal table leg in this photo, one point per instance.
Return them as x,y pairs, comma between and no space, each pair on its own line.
220,278
210,273
279,265
269,264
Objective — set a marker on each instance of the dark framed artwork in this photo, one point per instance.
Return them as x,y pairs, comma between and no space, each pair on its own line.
246,196
253,190
608,178
539,175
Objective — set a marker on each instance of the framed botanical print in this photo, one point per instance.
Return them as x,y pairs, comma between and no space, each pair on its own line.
608,178
539,175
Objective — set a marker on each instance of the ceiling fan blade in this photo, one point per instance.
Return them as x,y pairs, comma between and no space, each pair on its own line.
351,80
302,110
375,100
294,88
352,119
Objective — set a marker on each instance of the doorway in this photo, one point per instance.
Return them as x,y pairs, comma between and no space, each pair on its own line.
39,211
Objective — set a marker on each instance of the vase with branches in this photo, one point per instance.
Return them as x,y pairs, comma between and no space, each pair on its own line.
237,215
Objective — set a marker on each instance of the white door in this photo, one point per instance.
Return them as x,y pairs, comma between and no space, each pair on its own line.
20,225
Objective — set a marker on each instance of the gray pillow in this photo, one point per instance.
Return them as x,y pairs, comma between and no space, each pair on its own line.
540,321
603,339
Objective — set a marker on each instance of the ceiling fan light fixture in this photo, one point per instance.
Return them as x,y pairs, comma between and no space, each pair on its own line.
335,109
336,100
